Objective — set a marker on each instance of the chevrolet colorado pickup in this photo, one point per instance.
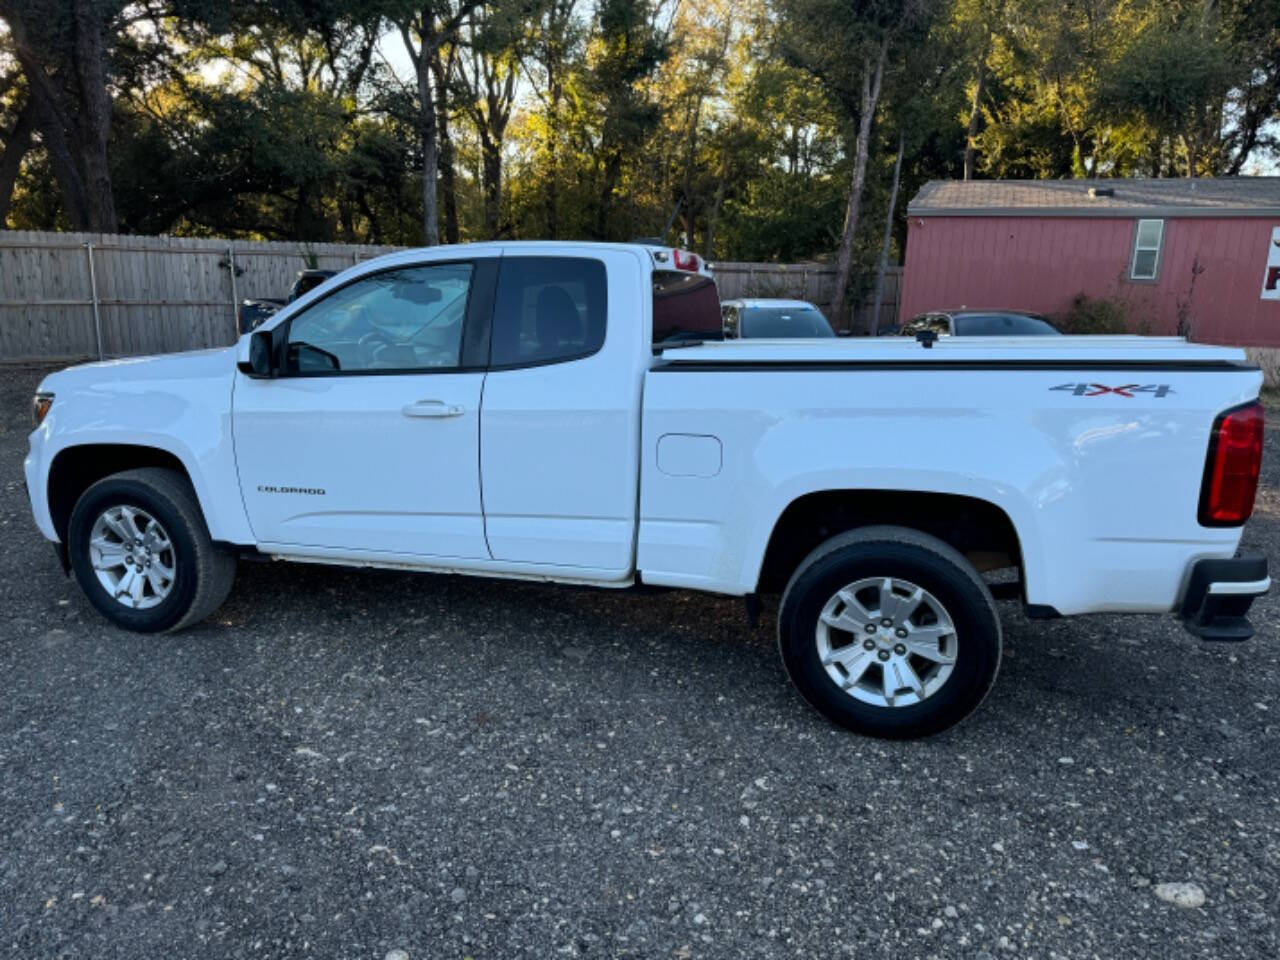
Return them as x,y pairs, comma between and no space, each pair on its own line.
546,411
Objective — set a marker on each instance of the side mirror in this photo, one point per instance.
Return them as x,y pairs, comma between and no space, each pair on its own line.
262,357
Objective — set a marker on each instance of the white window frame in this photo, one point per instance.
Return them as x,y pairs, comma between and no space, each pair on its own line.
1158,249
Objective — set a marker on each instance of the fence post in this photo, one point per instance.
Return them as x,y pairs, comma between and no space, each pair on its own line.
93,295
235,300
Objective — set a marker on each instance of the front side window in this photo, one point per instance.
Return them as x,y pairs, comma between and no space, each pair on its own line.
407,319
548,310
1147,241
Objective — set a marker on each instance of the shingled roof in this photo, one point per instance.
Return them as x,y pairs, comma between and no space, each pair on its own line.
1224,196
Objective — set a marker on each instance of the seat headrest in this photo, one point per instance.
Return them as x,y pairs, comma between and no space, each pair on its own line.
556,320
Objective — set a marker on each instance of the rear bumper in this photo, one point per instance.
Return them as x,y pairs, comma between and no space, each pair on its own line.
1219,593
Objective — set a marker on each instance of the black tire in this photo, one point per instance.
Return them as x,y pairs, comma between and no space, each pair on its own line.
906,554
204,571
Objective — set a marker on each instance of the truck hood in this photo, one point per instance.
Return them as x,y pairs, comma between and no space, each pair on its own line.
191,365
1048,351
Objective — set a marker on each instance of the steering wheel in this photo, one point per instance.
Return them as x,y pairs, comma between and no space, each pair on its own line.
369,343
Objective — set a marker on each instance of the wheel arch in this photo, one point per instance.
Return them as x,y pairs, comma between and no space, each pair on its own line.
74,469
981,530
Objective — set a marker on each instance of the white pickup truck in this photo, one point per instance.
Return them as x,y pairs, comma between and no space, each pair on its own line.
502,410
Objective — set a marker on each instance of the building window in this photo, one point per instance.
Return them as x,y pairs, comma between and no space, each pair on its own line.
1148,239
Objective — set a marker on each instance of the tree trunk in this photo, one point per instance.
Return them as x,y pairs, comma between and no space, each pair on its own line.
446,159
611,174
671,220
975,115
872,75
94,121
491,176
708,251
375,228
888,236
430,158
51,123
552,198
53,135
421,56
17,144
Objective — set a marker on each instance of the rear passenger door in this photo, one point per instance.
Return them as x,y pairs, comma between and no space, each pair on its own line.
560,422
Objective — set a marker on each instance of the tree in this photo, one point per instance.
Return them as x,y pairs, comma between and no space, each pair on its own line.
623,52
426,27
846,46
552,49
17,128
62,47
486,74
1253,29
1172,79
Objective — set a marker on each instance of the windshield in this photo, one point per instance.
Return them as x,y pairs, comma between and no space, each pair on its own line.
800,320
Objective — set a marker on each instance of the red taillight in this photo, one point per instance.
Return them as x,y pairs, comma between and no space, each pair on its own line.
1231,472
684,260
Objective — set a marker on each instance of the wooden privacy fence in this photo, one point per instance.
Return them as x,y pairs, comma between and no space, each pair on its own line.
814,282
81,295
73,295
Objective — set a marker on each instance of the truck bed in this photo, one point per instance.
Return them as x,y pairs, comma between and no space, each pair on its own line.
1093,447
1117,352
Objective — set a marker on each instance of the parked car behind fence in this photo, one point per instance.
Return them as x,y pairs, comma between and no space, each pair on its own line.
976,323
760,318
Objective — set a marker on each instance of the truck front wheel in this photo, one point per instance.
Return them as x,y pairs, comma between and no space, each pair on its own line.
889,632
142,554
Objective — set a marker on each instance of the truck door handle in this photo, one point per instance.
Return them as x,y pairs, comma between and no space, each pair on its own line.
432,408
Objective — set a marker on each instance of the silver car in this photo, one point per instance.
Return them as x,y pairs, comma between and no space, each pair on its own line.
773,319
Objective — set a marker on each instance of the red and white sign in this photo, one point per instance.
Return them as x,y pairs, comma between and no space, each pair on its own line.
1271,279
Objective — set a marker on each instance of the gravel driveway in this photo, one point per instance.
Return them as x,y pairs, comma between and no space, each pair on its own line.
347,764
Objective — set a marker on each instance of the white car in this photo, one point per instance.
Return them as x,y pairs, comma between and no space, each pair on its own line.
543,411
772,319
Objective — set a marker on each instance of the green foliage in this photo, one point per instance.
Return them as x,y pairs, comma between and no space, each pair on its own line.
1095,315
730,125
783,217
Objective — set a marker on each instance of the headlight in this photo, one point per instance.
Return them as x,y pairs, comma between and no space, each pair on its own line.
40,405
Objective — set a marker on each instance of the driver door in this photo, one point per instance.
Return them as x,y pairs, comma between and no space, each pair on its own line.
368,441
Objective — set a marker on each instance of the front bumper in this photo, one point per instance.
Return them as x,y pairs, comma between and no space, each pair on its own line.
1219,594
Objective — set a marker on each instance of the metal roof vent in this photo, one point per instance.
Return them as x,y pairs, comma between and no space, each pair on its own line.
1096,192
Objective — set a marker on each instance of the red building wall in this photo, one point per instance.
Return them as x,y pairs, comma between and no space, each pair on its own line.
1042,263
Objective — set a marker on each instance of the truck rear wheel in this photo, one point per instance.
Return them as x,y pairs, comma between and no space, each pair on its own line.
142,553
889,632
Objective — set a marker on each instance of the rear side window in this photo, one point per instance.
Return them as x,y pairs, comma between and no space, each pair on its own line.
686,306
548,310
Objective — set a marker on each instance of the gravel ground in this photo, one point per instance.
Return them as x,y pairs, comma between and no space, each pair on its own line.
348,764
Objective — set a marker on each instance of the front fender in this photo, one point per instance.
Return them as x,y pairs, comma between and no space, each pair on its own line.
180,405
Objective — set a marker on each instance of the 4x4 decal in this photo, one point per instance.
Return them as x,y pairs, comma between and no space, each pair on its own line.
1129,390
